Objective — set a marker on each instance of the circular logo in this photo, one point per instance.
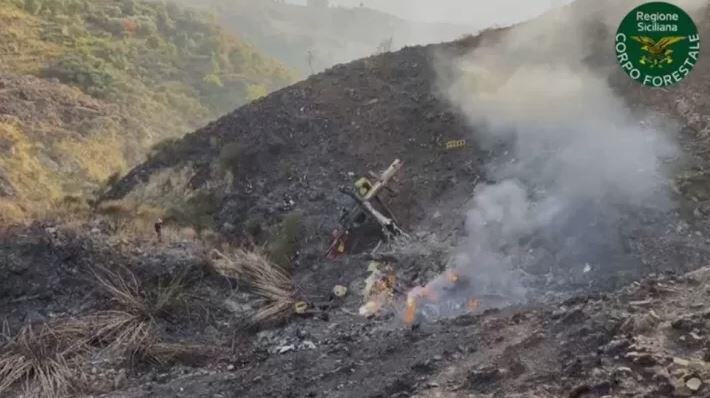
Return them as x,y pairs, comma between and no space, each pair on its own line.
657,44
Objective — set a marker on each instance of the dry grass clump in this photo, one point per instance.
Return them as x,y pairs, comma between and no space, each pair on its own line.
117,212
124,334
11,212
131,330
225,266
45,359
269,281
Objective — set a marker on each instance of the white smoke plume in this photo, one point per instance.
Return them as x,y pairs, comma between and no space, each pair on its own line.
572,157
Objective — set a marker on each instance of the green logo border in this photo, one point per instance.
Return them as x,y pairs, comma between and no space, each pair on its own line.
657,44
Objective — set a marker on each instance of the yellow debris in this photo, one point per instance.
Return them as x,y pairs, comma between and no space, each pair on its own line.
363,186
373,266
455,144
300,307
340,291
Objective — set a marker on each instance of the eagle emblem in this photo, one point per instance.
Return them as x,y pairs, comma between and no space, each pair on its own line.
658,54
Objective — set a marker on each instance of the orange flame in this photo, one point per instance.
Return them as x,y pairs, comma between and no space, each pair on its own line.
472,304
432,293
411,311
453,277
379,295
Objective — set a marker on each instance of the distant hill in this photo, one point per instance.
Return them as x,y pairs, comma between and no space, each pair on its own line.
152,70
331,35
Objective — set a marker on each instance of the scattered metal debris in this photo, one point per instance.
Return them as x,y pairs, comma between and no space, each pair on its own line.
379,288
455,144
368,205
340,291
694,384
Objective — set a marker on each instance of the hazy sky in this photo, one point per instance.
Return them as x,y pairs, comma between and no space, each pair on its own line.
479,13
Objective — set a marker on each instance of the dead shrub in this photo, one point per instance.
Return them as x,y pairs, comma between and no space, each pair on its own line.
45,360
225,266
268,280
124,334
131,330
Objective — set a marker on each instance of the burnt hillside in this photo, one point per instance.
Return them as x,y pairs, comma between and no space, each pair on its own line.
290,151
302,142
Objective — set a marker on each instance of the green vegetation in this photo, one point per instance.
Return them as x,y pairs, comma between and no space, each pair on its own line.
196,212
135,52
229,157
169,148
158,70
283,246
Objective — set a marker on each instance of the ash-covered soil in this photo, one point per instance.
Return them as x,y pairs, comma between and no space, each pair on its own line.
648,339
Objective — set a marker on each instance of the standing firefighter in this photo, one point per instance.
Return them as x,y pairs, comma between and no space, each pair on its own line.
158,229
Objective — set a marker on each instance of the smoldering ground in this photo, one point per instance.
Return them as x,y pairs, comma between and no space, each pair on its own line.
574,166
